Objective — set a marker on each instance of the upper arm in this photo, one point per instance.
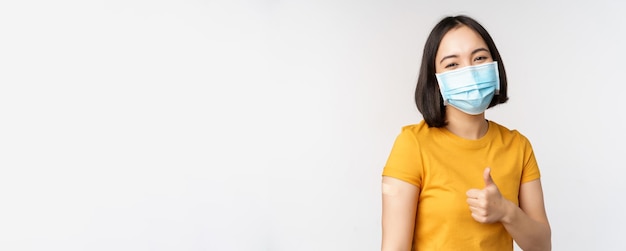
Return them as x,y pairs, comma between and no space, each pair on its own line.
400,200
531,201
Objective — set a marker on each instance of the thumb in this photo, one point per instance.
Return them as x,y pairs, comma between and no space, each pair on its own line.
487,177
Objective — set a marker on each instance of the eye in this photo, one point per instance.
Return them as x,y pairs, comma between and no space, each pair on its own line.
480,58
450,65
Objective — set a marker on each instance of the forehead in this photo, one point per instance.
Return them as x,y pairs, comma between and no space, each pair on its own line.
460,41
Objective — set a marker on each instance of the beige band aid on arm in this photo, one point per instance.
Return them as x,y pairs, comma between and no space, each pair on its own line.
389,189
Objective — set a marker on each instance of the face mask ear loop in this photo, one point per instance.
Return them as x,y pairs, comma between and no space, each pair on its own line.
497,78
443,97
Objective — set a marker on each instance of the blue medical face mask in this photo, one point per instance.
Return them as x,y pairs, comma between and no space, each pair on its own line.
470,89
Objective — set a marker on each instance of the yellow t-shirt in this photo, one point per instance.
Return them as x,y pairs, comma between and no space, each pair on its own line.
444,166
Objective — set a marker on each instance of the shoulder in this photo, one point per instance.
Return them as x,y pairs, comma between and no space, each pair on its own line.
510,135
412,134
416,130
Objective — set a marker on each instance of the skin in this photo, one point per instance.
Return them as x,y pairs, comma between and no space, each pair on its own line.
527,224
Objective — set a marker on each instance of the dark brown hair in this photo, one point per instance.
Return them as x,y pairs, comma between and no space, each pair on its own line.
427,96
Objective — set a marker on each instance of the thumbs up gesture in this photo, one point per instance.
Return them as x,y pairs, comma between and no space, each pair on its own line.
487,205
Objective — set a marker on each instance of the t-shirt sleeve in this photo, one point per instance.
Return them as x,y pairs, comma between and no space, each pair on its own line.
530,170
405,162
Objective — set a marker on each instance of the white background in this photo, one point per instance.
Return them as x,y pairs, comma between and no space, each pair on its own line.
265,125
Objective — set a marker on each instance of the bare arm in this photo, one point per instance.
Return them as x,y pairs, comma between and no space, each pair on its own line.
528,223
398,214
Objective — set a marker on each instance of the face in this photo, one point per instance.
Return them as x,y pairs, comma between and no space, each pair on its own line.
461,47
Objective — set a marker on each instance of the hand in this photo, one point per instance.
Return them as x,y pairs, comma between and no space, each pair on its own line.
487,205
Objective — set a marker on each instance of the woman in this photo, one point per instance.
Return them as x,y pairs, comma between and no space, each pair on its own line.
457,181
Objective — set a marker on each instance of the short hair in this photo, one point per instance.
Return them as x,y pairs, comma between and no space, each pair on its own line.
427,95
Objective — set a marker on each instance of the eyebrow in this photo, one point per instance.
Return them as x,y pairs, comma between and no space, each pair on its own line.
456,56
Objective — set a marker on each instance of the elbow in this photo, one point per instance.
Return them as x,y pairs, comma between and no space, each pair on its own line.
538,247
543,244
544,248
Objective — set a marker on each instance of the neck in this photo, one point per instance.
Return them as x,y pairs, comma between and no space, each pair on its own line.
465,125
